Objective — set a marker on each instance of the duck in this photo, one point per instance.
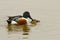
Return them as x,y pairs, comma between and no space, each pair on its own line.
19,19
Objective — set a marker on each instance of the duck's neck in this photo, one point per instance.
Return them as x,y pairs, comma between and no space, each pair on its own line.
28,17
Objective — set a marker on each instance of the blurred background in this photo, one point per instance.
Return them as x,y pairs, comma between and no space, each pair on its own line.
47,11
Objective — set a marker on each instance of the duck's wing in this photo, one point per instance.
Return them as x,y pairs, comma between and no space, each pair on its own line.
18,16
14,16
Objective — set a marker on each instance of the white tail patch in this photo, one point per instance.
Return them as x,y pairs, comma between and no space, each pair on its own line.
13,22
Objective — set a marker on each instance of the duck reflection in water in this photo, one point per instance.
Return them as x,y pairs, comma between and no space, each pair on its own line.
21,23
15,28
25,29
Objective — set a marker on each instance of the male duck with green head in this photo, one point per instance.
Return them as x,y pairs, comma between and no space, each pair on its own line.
18,18
26,15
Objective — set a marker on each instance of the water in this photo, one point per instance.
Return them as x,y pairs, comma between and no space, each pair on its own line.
47,11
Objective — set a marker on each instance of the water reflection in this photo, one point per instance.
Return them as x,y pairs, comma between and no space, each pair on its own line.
25,29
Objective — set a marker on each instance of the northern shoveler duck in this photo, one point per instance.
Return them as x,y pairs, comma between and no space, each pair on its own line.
19,19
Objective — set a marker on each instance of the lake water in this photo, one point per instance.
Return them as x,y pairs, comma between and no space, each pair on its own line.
47,11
